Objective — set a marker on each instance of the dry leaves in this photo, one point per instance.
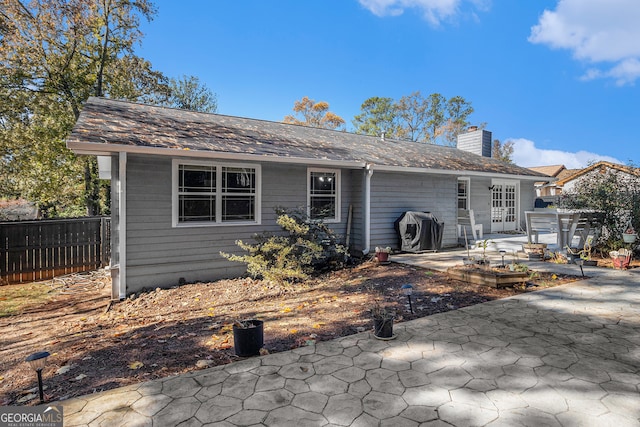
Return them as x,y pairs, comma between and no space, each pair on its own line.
136,365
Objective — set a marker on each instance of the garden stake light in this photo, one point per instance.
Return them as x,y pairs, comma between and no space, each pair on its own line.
37,362
502,254
408,290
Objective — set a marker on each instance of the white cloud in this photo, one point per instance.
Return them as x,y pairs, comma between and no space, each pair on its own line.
602,32
525,153
434,11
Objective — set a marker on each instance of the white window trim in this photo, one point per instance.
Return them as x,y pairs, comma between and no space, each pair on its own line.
338,193
468,182
218,165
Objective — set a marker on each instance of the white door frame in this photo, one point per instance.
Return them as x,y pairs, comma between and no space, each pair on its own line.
505,204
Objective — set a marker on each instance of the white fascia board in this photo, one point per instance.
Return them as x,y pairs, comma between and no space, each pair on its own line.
89,148
94,149
451,172
94,153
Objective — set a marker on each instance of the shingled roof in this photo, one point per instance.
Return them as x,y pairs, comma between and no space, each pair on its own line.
552,170
110,126
603,166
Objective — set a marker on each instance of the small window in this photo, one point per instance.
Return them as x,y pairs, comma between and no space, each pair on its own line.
196,193
238,194
324,194
463,193
210,194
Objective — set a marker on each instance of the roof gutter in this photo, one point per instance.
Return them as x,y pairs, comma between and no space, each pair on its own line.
104,149
453,172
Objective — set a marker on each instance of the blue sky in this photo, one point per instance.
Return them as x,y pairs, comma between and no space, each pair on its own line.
558,77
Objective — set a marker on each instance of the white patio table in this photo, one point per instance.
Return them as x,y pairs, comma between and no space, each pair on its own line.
563,224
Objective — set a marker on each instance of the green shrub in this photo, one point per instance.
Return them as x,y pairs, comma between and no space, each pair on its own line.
305,247
613,198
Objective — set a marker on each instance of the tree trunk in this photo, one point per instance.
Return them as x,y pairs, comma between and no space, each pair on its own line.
91,186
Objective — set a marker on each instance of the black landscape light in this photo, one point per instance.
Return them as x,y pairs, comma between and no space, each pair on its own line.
408,290
502,254
37,362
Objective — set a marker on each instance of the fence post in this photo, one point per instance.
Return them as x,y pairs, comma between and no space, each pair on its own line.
3,256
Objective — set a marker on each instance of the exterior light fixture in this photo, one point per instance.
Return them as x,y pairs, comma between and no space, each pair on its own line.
408,291
502,254
37,361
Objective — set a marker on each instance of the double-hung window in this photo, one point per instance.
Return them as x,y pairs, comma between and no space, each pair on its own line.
323,194
214,194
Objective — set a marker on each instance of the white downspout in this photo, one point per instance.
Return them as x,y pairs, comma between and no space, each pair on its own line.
367,210
122,222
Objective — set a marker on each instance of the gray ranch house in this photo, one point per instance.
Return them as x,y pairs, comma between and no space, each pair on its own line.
187,185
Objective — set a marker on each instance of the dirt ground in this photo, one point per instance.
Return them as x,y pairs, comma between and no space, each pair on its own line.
170,331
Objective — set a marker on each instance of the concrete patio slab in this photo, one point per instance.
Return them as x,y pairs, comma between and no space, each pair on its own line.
565,356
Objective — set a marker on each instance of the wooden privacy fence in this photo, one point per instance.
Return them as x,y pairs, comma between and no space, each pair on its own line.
42,249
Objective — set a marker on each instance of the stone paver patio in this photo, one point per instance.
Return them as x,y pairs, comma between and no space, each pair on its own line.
566,356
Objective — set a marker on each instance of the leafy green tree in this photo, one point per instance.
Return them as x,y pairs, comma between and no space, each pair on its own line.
502,150
54,54
433,119
379,116
413,114
188,93
613,197
436,114
458,111
314,114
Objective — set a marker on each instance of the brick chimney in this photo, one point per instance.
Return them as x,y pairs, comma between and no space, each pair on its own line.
476,141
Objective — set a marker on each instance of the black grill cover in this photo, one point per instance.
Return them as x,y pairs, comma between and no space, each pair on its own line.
419,231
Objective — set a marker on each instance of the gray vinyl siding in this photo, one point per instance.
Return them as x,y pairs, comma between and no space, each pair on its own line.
480,201
527,200
159,254
394,193
357,222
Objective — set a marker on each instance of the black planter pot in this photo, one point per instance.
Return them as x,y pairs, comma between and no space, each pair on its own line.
383,327
248,341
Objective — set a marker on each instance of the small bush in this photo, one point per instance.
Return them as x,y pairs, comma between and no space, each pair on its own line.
613,197
307,246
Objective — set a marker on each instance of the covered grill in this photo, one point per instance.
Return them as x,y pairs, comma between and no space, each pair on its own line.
419,231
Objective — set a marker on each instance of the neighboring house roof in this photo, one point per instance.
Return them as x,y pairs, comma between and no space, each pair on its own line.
552,170
107,126
567,173
603,165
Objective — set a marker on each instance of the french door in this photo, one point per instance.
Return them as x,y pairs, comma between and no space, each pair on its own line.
504,205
